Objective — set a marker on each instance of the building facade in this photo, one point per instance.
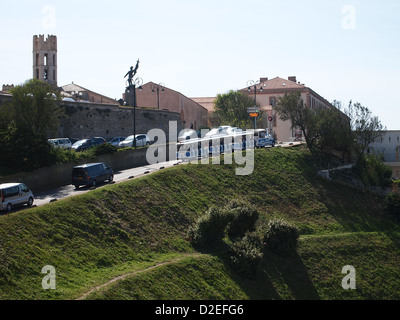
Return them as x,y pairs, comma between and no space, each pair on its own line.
388,146
152,95
79,93
267,93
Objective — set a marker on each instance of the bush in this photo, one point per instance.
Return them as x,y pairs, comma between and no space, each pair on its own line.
245,255
210,228
374,172
243,218
281,236
105,148
393,204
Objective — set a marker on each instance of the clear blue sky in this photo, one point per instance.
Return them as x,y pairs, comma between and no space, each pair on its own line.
344,50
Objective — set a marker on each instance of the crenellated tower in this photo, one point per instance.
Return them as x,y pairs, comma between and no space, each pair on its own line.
45,59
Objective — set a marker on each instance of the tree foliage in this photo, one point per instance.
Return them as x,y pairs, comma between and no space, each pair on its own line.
231,108
329,128
24,124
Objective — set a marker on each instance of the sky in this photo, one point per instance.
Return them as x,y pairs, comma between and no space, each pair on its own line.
343,50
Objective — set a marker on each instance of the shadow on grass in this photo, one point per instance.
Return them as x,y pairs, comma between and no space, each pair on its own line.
278,277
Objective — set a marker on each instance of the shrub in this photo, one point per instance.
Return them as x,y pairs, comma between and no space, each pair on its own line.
210,228
393,204
245,255
105,148
243,218
281,236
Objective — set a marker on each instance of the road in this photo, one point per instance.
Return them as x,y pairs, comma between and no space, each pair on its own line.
124,175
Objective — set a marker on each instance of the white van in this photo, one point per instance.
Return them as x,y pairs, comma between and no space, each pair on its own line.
14,195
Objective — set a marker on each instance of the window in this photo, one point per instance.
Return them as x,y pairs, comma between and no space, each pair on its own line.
37,59
272,101
46,59
11,192
24,188
46,77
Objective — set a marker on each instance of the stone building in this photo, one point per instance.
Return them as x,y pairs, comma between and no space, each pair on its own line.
45,59
267,93
159,97
79,93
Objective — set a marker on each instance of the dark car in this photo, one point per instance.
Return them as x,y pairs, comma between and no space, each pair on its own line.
91,174
85,144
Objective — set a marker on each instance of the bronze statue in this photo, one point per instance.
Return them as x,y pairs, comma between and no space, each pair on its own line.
131,73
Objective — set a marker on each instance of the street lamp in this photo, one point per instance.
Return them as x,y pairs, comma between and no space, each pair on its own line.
155,88
252,85
131,95
77,94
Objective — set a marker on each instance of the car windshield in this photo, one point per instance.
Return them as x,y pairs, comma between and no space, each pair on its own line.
79,143
130,138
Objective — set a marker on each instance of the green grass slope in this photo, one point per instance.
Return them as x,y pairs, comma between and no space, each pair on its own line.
138,229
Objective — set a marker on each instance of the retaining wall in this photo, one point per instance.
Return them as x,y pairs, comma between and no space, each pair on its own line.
55,176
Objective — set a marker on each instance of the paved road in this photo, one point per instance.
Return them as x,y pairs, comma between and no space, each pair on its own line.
69,190
124,175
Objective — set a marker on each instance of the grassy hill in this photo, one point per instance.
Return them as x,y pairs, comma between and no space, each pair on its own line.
138,230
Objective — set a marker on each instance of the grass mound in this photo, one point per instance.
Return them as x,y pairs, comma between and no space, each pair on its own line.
118,229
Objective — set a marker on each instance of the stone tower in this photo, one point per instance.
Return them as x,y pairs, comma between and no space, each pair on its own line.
45,59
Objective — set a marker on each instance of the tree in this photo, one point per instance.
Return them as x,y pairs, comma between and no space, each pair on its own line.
35,107
24,124
365,127
292,107
231,108
324,128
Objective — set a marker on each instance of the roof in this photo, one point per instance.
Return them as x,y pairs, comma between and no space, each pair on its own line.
207,103
277,83
77,88
8,185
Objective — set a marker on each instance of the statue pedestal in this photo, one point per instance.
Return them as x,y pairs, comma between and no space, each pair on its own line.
130,95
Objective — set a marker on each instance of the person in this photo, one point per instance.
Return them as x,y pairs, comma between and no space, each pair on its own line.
132,72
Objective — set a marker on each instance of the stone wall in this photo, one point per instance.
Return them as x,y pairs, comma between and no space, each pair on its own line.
85,120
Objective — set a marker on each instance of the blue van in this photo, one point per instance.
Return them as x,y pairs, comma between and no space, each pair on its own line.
91,174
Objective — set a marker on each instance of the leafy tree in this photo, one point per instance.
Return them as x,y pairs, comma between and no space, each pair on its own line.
365,127
35,107
24,124
231,108
292,107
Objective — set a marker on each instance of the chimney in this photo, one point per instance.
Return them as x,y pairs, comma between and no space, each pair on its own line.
263,80
292,79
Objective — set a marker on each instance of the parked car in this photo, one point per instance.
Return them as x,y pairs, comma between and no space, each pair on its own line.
100,140
115,141
222,130
85,144
91,174
141,141
64,143
187,134
14,195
